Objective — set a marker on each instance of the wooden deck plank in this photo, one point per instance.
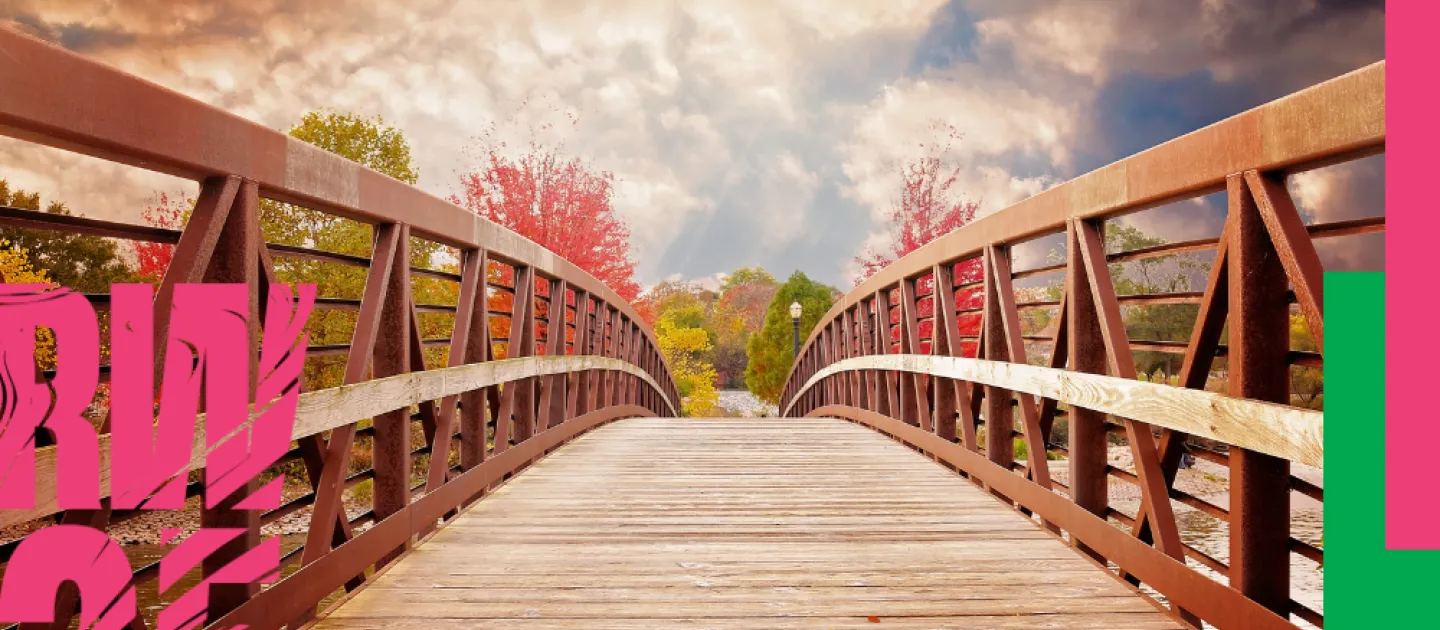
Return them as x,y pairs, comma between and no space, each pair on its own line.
742,523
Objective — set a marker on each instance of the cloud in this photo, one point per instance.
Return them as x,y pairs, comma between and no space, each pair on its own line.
1350,190
741,132
1000,125
1294,43
684,102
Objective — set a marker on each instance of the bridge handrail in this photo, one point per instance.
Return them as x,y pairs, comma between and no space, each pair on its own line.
59,99
333,407
1338,120
867,354
1280,430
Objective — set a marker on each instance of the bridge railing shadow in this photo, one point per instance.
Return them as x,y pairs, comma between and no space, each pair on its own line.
565,354
946,351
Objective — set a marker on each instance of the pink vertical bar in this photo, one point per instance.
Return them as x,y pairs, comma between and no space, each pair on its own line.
1411,510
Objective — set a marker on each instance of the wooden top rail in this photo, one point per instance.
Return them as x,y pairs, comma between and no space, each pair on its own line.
1279,430
1337,120
326,409
58,98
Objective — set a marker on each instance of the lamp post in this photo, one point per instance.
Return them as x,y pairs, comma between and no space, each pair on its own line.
795,311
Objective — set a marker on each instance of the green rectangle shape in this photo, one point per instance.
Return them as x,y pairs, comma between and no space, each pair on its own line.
1366,585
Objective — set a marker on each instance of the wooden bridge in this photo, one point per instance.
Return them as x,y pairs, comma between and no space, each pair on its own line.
888,496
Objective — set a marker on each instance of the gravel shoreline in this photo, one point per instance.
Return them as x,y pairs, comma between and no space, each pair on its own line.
145,529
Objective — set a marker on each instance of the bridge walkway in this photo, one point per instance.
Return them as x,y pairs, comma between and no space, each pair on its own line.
742,523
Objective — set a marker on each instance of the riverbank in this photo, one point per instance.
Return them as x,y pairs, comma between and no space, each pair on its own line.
145,529
741,403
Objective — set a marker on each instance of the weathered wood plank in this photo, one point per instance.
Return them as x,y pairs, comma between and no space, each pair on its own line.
710,523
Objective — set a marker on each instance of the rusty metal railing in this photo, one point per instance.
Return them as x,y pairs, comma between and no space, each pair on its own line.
576,354
892,355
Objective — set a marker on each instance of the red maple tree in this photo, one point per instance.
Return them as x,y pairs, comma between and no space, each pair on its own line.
152,259
929,206
559,201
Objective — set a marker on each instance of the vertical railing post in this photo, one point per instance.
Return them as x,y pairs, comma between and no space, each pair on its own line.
632,384
952,398
867,347
825,344
1259,370
329,524
862,377
472,282
915,406
884,379
999,420
525,394
599,394
617,350
236,259
552,388
391,452
517,408
612,350
1089,485
642,391
579,394
845,388
652,362
622,351
847,350
475,411
807,358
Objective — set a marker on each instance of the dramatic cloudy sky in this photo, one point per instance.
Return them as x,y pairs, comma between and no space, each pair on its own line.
743,132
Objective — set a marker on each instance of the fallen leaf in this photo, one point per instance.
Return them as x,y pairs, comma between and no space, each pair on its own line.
873,619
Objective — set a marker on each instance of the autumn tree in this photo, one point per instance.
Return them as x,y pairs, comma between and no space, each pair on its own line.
740,313
666,296
928,205
369,142
1307,383
89,264
16,268
771,352
683,340
168,211
748,292
560,201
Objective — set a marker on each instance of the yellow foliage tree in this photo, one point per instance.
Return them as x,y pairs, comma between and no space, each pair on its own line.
372,143
1306,383
15,268
685,348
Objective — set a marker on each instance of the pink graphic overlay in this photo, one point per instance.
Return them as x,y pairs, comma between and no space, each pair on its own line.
60,553
260,564
1412,218
277,392
206,339
208,357
23,308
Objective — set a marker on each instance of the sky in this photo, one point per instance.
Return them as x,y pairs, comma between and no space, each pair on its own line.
742,132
